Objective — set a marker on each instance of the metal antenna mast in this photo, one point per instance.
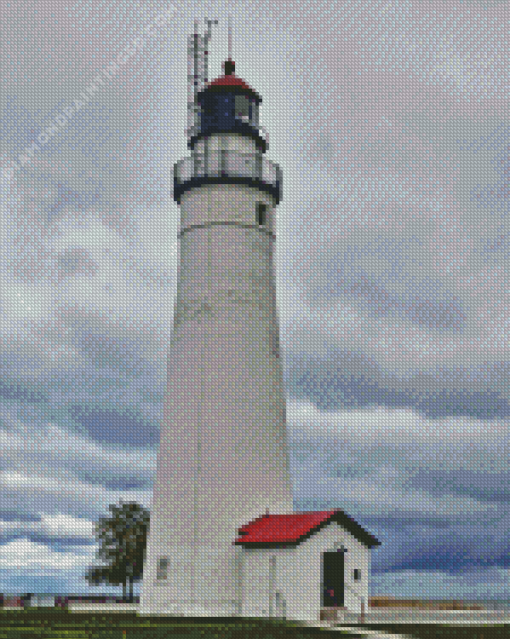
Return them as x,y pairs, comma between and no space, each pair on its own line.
205,40
197,72
230,37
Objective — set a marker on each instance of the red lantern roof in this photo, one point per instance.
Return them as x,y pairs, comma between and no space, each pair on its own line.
296,527
230,81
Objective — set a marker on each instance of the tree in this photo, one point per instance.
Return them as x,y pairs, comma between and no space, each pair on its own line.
112,574
123,540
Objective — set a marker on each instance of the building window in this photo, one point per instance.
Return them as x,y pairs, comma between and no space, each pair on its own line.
162,568
357,574
261,214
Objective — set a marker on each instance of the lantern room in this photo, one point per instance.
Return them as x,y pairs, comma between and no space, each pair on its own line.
229,105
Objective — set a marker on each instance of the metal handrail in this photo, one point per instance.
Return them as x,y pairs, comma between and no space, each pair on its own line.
194,129
228,163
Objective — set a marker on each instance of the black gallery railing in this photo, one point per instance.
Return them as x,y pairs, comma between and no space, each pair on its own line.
227,167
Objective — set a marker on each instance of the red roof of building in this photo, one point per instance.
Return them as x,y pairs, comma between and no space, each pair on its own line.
294,528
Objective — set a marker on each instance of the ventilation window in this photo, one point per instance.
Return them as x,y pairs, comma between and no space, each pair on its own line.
357,574
162,568
261,213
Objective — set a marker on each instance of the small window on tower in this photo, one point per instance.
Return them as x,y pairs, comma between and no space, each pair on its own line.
261,214
162,568
357,574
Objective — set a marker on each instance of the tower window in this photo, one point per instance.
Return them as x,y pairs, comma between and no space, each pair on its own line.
162,568
261,213
357,574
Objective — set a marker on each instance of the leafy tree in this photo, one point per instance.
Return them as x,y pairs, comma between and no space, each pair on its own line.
112,574
123,540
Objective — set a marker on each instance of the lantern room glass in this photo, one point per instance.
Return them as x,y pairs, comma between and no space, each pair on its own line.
246,109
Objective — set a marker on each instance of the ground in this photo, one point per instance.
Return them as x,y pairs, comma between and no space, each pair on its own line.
57,624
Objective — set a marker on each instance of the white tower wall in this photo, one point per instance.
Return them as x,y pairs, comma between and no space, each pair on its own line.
223,454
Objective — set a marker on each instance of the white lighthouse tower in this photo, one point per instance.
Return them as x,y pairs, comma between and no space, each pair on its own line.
223,459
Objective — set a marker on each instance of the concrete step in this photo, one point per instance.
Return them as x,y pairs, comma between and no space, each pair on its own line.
356,630
371,634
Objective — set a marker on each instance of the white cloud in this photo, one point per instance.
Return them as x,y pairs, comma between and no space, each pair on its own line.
34,559
67,526
48,449
390,426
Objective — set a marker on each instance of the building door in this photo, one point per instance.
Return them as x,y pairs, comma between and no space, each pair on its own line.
333,579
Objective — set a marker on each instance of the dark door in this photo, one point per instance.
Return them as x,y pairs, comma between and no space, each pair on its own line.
333,582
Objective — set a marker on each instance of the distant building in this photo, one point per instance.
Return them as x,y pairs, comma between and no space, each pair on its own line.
13,602
43,601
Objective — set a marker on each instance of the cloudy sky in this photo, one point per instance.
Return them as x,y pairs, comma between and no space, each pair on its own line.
390,121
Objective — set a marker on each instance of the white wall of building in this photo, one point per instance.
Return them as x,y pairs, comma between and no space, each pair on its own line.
297,576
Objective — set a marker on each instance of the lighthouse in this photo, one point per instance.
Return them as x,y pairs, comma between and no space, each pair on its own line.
222,459
224,539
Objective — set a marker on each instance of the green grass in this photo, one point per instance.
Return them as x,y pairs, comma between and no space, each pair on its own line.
61,624
58,624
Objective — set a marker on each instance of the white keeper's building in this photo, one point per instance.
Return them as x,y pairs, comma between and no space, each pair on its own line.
297,564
